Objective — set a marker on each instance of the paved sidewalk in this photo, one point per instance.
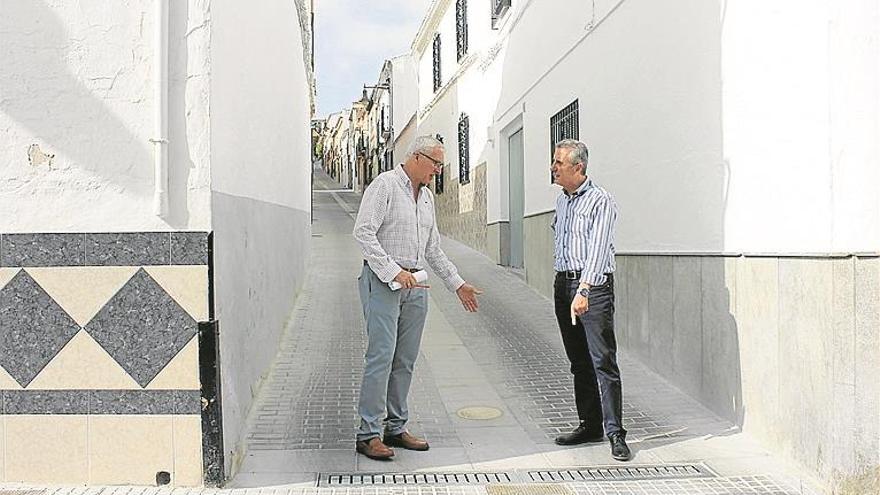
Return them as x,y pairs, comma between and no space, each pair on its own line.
507,358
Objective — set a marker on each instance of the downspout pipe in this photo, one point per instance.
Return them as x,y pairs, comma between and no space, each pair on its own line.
160,110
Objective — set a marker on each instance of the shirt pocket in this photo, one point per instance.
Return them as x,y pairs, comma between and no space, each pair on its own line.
426,219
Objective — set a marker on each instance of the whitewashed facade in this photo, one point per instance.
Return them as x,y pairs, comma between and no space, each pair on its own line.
740,140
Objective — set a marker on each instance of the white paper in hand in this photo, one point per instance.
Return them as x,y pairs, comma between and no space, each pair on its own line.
421,277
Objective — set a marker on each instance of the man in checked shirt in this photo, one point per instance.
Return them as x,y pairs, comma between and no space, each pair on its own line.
398,235
583,294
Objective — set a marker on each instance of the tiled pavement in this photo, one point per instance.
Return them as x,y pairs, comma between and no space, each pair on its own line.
507,357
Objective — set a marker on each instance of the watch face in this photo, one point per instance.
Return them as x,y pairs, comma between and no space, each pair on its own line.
584,292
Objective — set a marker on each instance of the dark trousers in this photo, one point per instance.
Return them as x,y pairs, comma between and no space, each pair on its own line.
592,351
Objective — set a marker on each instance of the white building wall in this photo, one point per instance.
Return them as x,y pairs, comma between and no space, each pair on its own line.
405,93
261,200
76,86
748,117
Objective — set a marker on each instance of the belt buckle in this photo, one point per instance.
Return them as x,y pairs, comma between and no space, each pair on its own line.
571,275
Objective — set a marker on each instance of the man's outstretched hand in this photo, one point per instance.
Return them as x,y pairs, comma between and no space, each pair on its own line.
467,293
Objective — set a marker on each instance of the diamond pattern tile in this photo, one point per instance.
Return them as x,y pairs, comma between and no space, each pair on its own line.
33,328
142,327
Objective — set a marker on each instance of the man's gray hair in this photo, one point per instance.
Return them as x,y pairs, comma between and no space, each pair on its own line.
423,144
577,151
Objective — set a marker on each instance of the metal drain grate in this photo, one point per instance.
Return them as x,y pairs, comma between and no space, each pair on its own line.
413,479
630,473
598,473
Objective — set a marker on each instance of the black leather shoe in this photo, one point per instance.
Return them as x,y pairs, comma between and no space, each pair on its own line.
581,434
619,450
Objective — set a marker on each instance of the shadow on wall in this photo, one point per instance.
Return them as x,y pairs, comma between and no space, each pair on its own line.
39,91
180,164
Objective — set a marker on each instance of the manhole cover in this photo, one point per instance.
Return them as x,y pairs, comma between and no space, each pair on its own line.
479,413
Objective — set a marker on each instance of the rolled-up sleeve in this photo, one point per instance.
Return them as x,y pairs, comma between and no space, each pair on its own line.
374,207
599,244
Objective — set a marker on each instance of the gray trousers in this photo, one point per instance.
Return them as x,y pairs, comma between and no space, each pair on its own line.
395,320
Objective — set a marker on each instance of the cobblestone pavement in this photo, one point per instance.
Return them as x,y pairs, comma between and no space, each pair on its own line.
508,358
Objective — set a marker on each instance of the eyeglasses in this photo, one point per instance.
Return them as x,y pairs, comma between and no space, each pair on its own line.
437,163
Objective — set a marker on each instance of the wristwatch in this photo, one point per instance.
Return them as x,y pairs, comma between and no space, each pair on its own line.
584,291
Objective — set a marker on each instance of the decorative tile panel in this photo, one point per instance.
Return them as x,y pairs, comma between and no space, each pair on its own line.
83,290
33,328
7,383
6,274
100,402
182,372
42,249
139,402
142,327
128,249
187,285
189,248
45,402
83,364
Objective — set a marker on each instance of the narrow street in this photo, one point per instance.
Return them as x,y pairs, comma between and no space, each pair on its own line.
490,391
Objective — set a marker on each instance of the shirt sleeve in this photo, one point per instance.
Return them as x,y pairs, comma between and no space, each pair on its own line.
437,259
371,215
600,242
441,265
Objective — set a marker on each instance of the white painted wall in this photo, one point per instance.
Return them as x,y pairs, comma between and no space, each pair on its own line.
750,129
405,93
265,147
260,144
76,82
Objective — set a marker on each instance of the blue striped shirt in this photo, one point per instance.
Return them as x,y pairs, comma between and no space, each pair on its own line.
584,231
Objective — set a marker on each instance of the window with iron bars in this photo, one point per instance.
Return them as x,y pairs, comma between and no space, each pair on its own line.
389,159
437,79
438,179
499,8
563,125
464,154
461,28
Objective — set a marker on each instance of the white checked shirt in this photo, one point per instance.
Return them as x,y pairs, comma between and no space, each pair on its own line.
395,231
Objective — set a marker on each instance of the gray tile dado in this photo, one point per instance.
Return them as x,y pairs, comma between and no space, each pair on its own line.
128,249
142,327
42,250
33,328
189,248
144,402
45,402
187,401
104,402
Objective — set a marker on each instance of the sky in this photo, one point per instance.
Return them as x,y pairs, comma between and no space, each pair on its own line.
353,38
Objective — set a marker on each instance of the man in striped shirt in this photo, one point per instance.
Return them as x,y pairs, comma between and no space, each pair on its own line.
398,235
583,294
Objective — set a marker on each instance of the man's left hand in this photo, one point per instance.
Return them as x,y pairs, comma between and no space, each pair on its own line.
580,305
467,293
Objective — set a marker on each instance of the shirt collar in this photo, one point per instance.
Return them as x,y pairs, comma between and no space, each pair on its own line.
401,175
586,185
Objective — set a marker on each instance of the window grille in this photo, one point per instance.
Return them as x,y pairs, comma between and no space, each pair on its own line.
563,125
439,179
499,8
464,165
437,79
461,28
